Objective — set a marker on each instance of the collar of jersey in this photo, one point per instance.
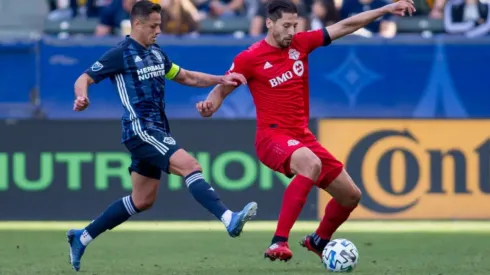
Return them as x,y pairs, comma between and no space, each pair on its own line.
136,44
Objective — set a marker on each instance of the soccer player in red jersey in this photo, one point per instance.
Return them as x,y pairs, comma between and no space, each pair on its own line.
276,69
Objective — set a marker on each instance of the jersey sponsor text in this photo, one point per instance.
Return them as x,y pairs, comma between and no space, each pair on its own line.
151,72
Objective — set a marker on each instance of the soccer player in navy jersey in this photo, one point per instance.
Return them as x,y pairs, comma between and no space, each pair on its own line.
137,68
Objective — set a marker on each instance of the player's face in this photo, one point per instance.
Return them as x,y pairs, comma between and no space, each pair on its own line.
283,29
149,28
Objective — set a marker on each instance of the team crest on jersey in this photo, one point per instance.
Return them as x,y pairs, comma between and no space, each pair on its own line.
293,142
97,67
169,140
293,54
157,54
298,68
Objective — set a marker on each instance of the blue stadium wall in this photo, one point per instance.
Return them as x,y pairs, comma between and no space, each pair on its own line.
407,116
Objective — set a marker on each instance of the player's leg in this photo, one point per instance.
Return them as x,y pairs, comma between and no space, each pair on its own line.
183,164
345,198
306,166
286,155
145,180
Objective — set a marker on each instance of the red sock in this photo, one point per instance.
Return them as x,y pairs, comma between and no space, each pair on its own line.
335,215
293,200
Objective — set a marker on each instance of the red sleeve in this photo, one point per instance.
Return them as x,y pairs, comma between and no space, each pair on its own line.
239,66
310,40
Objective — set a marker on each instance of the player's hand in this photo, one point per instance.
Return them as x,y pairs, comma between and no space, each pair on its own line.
205,108
80,104
233,79
400,7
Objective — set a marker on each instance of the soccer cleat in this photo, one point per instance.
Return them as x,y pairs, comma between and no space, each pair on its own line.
239,219
76,248
306,242
279,250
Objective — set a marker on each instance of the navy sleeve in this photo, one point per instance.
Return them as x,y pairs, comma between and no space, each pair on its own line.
109,64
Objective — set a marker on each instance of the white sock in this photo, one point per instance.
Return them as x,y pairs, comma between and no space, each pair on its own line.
85,239
226,217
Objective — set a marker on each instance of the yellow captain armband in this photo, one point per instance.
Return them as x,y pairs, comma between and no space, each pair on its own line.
173,72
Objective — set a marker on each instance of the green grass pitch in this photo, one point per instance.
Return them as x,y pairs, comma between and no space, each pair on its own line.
147,248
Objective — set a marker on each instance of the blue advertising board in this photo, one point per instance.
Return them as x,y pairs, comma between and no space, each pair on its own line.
354,77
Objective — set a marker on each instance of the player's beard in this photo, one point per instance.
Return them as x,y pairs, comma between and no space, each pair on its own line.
283,42
286,43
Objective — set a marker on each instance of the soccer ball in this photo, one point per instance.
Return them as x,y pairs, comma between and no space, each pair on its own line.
340,255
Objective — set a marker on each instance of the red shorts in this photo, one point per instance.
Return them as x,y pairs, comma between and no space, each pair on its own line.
274,148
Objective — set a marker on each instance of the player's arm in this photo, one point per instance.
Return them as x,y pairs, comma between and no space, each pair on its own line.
216,97
109,64
358,21
198,79
81,85
214,100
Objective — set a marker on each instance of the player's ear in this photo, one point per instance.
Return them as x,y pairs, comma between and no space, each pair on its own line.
137,22
134,23
268,23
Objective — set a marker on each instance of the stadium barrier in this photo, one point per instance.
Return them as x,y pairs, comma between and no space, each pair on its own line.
49,168
406,77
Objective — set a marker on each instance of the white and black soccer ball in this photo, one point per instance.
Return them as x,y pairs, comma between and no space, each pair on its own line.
340,255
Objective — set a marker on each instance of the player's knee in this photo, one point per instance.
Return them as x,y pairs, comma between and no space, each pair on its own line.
305,162
182,164
195,166
352,198
355,197
192,167
144,200
143,204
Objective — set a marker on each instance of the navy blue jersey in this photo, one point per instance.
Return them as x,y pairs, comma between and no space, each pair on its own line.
138,75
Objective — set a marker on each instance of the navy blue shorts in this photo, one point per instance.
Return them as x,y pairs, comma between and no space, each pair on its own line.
151,152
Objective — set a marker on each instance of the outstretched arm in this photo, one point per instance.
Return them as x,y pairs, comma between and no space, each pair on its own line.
198,79
358,21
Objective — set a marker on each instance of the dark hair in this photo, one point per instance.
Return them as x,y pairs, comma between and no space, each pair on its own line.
143,9
275,8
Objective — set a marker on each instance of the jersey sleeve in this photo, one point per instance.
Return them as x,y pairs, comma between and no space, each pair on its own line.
171,69
241,66
109,64
310,40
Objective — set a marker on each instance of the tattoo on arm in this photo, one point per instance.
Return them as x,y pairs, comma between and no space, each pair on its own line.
198,79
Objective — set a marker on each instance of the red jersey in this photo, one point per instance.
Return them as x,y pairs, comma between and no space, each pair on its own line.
278,79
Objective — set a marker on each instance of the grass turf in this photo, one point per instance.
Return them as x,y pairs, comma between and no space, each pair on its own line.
208,250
